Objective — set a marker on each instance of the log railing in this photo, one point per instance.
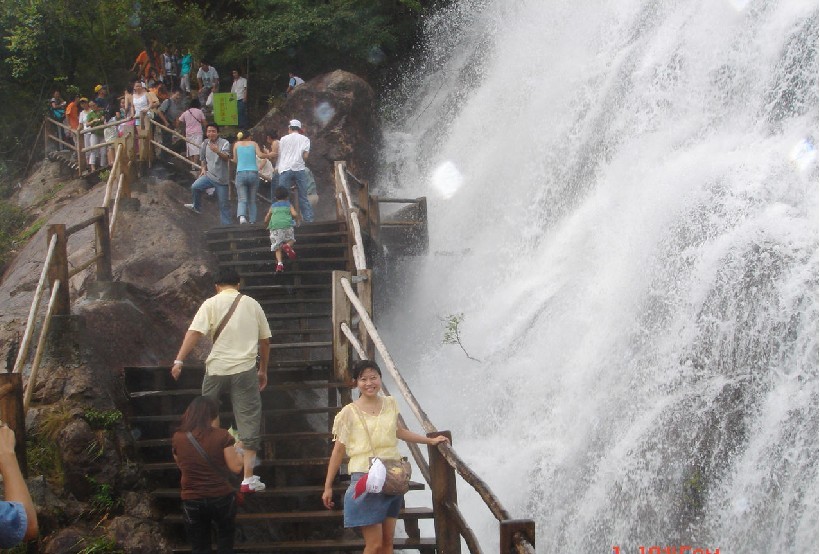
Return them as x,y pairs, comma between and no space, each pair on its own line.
151,127
515,535
57,272
56,132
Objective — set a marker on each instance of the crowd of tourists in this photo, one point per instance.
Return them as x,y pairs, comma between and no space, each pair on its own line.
164,86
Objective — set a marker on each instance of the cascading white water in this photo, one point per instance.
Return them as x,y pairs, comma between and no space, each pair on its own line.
623,203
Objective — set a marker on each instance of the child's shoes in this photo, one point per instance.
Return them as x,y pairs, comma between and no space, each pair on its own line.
280,267
288,249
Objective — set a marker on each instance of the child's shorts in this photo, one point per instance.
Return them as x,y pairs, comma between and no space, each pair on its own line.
278,237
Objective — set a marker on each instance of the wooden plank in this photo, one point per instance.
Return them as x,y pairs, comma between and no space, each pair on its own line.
229,415
58,270
277,387
288,346
278,492
317,515
296,462
341,545
11,412
443,485
341,347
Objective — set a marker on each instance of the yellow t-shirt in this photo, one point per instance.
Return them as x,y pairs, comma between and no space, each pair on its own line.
347,429
238,344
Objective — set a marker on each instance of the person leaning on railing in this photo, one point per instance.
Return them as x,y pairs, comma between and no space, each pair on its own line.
364,428
18,518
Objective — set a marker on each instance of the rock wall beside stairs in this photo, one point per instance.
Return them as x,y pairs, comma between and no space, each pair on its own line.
338,114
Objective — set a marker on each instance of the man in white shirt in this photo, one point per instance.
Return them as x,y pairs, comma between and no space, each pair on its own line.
293,151
240,88
208,81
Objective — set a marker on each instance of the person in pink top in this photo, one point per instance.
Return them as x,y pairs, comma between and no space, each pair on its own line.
194,120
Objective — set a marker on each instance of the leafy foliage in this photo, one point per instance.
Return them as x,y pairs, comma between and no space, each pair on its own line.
46,45
102,419
452,333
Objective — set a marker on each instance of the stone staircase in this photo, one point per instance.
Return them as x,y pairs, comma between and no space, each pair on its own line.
299,403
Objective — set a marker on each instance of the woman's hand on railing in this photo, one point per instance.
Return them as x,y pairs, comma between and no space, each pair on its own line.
433,441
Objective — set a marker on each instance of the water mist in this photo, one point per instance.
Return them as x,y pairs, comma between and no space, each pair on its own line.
623,203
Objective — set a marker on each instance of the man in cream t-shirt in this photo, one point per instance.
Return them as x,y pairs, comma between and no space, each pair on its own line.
232,361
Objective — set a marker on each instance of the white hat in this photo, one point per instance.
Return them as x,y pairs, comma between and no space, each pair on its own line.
376,476
295,123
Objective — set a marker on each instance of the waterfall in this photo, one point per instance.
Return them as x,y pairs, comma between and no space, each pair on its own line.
623,204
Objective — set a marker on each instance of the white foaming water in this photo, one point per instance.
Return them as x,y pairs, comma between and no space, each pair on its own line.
623,203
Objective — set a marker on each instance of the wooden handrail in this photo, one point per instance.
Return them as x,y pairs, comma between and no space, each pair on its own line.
116,206
520,542
352,216
22,354
85,265
81,225
463,527
41,344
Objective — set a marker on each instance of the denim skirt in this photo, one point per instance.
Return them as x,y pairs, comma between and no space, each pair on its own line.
370,508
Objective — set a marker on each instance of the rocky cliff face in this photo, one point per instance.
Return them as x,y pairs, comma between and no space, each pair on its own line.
338,113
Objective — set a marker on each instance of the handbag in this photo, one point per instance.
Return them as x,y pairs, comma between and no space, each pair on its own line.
229,477
398,472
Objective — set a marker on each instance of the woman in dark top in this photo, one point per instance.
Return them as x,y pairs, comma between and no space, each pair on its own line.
207,496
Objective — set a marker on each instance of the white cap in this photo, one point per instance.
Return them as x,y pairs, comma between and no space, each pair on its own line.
295,123
376,476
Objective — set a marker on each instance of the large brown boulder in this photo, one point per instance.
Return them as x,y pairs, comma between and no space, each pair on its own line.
338,114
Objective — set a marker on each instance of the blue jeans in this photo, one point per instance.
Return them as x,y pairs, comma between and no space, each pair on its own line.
247,183
204,183
199,514
274,182
300,177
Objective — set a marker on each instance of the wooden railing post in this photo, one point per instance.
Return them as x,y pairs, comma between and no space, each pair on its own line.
341,346
424,239
443,485
364,289
341,211
78,139
11,412
58,270
374,219
508,529
103,245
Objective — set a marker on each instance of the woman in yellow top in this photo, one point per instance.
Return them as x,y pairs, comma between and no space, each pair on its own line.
375,513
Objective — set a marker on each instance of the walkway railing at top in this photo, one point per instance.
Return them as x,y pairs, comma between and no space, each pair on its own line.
140,133
516,535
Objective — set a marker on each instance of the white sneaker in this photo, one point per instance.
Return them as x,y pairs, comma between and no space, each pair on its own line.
242,220
191,207
252,484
